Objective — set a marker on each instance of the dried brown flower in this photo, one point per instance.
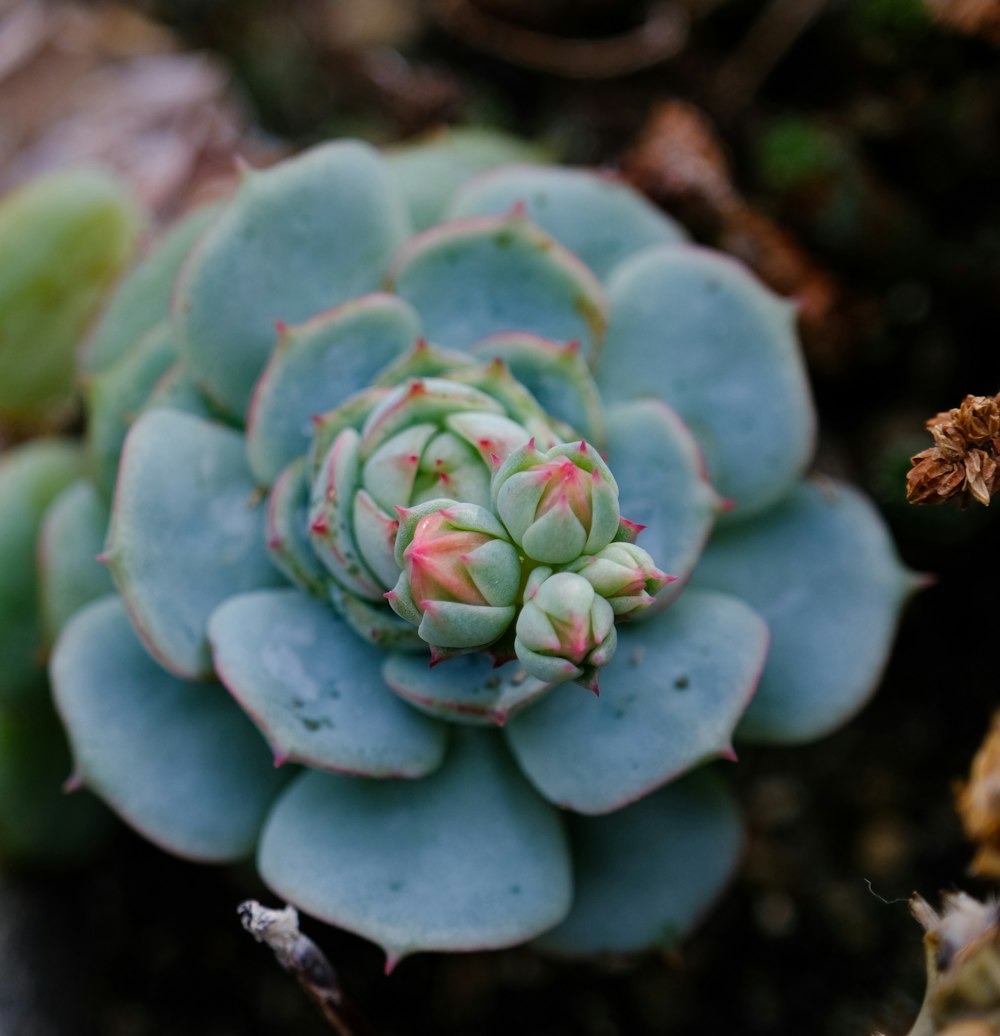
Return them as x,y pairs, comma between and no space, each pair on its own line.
963,460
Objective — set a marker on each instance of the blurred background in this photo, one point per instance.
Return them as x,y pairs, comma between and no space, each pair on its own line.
848,151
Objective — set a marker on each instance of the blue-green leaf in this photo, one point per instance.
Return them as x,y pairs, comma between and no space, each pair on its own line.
646,874
315,366
464,689
297,239
72,535
187,531
662,485
695,329
600,219
314,689
472,278
669,700
821,569
31,477
467,858
177,760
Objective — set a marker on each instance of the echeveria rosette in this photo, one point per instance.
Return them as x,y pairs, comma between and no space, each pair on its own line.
465,806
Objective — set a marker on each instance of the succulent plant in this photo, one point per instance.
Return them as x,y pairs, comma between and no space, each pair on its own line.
387,498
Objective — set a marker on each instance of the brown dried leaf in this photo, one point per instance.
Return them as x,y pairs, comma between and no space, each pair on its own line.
978,804
979,17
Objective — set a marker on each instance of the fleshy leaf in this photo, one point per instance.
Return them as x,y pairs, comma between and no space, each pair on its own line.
315,366
472,278
177,760
117,394
821,569
72,535
669,700
63,240
313,688
598,218
695,329
662,486
467,858
645,874
288,530
142,298
465,689
31,477
187,531
297,239
557,376
430,171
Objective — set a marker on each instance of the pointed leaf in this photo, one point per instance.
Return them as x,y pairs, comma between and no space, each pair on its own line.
646,874
314,688
465,689
600,219
472,278
317,365
178,761
297,239
72,536
821,569
669,700
467,858
187,531
695,329
31,477
662,485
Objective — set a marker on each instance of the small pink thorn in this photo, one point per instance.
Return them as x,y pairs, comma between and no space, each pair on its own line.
436,657
572,347
402,512
281,327
421,345
667,579
390,595
726,505
531,443
582,448
280,758
495,460
729,753
518,209
317,419
391,960
500,718
103,558
319,525
273,543
74,782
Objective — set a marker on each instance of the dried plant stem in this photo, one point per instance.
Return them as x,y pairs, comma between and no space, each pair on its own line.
303,959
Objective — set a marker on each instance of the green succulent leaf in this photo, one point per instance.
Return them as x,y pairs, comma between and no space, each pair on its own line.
39,822
305,236
698,331
142,298
467,858
645,874
71,537
472,278
430,171
287,530
314,689
464,689
63,240
187,531
178,761
31,477
597,217
116,396
317,365
669,700
821,569
662,485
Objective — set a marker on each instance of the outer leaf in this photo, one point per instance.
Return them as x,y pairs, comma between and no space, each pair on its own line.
142,298
63,240
313,688
430,172
72,535
597,217
31,477
662,485
317,365
187,531
669,700
309,234
695,329
178,761
821,569
464,689
472,278
468,858
646,874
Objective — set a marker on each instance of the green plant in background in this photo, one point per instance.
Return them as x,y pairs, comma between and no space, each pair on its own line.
386,501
